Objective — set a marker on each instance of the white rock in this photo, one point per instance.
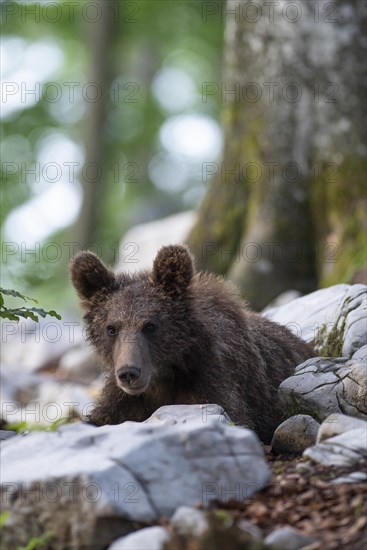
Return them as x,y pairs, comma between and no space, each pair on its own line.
140,245
355,328
40,399
29,346
78,364
283,298
123,474
361,354
288,538
320,387
345,305
336,424
18,385
6,434
346,449
354,477
180,414
189,521
150,537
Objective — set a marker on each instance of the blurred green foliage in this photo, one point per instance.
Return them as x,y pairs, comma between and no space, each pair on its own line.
147,36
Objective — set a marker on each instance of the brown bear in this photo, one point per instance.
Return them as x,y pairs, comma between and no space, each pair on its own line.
173,336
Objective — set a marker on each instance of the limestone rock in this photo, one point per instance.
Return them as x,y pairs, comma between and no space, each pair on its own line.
355,328
180,414
78,365
284,298
189,521
150,537
361,354
295,434
340,443
93,485
31,346
354,477
320,387
142,242
288,538
344,306
6,434
337,424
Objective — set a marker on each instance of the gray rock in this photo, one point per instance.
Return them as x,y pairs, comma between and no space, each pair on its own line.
253,530
30,346
337,424
93,485
283,298
341,441
49,402
141,243
17,385
288,538
354,477
347,449
189,521
355,315
295,434
180,414
361,354
150,537
344,305
320,387
79,365
6,434
63,400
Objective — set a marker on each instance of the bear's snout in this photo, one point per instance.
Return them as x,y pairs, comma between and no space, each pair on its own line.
133,367
132,380
128,374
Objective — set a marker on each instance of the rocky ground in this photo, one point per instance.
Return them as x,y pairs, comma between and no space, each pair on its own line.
187,479
306,497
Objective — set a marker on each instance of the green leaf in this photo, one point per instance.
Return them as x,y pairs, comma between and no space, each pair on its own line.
54,314
7,314
44,313
26,313
10,292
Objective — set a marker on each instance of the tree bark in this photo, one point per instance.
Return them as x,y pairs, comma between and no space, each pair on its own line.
298,117
100,38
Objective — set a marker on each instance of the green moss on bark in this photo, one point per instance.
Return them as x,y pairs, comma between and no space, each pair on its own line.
339,208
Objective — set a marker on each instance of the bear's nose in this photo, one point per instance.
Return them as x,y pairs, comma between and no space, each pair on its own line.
128,374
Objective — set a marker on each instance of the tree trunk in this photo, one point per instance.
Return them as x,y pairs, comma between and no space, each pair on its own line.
100,38
298,71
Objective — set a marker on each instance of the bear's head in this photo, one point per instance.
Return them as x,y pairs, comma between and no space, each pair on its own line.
140,324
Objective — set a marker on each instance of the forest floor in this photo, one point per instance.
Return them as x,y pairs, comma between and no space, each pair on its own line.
305,498
300,495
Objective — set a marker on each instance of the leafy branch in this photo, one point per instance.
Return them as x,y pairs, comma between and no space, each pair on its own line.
14,314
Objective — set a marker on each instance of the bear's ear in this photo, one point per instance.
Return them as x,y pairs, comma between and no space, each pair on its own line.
173,269
89,275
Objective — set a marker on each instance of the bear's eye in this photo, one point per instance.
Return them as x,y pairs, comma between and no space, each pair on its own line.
149,328
111,331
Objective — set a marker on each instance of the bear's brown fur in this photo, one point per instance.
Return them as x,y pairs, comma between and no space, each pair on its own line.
173,336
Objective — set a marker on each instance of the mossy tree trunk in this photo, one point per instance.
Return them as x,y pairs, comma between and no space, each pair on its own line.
296,131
